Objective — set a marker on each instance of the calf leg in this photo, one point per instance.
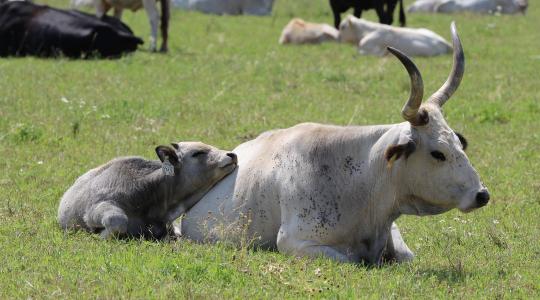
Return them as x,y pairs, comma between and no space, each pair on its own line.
287,243
153,17
108,216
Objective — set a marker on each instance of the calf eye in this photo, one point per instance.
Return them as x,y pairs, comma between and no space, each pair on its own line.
438,155
198,153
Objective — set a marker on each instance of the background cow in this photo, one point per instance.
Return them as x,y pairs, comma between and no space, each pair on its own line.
373,38
474,6
298,31
103,6
228,7
384,9
30,29
334,191
137,197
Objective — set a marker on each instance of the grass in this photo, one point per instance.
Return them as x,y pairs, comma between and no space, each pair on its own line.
226,80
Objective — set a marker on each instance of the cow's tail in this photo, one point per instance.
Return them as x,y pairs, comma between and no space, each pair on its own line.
82,3
402,19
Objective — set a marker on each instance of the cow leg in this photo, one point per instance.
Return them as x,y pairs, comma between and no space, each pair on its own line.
334,4
390,6
101,8
286,243
357,12
165,16
379,8
396,249
108,216
118,13
153,17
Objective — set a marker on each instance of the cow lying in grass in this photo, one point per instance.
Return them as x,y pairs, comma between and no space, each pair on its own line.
31,29
298,31
132,196
373,38
473,6
335,191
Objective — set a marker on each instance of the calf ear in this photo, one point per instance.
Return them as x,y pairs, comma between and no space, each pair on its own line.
166,153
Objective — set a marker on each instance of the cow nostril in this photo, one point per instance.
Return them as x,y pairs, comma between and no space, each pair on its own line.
233,156
482,198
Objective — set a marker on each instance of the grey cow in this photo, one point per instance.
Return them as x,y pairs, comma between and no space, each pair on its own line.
132,196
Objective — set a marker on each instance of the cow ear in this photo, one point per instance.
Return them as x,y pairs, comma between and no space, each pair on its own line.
463,141
166,153
404,147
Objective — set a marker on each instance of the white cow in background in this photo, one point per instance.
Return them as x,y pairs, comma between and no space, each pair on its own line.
374,38
314,189
298,31
228,7
473,6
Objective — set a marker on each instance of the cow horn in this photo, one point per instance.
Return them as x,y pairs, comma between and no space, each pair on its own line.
452,83
410,109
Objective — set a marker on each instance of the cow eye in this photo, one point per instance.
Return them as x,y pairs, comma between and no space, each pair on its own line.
198,153
438,155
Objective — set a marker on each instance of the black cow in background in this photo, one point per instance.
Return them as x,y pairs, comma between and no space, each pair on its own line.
30,29
384,9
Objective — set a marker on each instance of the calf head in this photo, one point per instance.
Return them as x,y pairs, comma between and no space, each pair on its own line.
197,166
434,169
352,30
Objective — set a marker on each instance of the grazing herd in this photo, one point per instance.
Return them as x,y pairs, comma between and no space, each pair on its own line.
308,190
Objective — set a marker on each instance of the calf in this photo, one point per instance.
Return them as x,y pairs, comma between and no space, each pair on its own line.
373,38
384,9
30,29
103,6
132,196
300,32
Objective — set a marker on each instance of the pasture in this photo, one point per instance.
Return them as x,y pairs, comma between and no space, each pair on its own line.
224,81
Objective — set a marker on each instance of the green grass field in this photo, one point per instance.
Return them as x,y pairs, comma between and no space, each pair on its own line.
225,81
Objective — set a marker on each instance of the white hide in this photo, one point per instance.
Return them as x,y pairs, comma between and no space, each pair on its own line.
298,31
373,38
228,7
473,6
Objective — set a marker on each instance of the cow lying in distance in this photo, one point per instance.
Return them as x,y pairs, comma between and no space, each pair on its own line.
132,196
384,9
103,6
323,190
228,7
31,29
474,6
373,38
298,31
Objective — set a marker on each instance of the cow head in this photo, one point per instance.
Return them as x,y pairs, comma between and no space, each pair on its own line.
436,172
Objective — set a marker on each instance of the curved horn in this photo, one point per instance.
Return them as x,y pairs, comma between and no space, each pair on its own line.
410,109
452,83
